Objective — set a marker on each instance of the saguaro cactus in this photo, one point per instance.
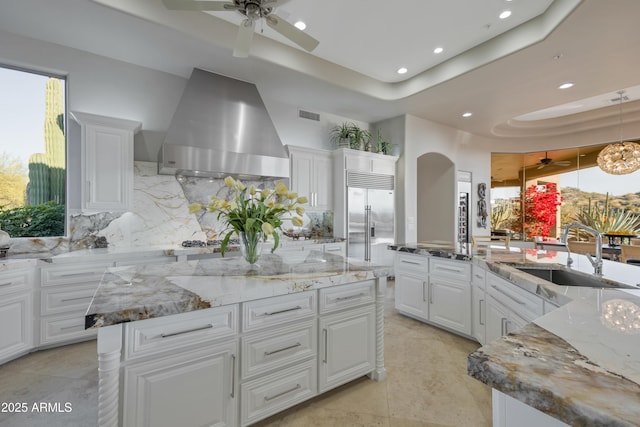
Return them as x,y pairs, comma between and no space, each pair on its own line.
48,170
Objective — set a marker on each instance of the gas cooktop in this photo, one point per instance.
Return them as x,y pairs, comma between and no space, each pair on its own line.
202,244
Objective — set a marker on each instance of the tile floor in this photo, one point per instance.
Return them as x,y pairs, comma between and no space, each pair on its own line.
426,385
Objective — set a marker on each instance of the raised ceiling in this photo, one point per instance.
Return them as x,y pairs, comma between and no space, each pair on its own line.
499,70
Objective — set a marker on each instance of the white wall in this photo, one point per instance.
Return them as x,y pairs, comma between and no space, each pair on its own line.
468,152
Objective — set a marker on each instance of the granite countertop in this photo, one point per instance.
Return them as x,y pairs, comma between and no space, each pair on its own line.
581,362
155,290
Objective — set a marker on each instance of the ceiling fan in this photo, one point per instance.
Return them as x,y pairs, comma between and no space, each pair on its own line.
253,10
547,161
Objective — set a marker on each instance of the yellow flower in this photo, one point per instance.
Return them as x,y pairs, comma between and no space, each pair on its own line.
291,195
265,193
240,186
195,207
302,199
252,190
296,221
271,204
230,182
300,210
281,189
232,206
267,228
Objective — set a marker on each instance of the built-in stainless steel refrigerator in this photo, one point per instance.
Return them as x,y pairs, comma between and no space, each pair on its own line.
370,214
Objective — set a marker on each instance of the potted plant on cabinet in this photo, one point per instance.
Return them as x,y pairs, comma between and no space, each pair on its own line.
383,146
342,135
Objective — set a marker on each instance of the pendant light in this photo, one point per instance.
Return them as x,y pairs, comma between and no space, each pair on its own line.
620,158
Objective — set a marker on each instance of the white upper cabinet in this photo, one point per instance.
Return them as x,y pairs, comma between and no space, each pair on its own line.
312,176
107,162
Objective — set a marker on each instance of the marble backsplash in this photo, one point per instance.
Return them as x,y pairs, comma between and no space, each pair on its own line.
160,217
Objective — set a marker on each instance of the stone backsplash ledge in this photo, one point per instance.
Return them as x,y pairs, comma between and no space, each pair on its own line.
160,217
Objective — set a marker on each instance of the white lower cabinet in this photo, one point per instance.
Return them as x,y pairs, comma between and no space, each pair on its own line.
16,313
347,348
449,304
510,412
411,285
196,387
478,304
16,320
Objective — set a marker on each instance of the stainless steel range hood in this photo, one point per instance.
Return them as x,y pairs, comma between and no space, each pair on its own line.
221,127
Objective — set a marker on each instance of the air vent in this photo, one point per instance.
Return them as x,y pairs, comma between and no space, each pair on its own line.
369,180
309,115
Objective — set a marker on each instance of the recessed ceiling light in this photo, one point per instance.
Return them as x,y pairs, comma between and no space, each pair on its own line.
467,114
300,25
438,50
505,14
402,70
565,85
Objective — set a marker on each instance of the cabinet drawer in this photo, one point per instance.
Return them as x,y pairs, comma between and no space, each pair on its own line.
273,393
63,299
525,304
18,280
413,263
478,276
346,296
69,327
151,336
68,274
278,310
263,352
458,271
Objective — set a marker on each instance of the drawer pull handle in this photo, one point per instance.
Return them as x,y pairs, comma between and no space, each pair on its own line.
479,276
506,294
74,299
297,307
350,297
269,353
275,396
209,326
411,262
71,327
333,249
6,284
90,273
456,270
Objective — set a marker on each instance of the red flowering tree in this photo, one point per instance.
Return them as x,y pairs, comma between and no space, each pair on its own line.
540,208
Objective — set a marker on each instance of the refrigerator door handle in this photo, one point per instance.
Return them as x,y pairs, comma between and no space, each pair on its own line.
367,233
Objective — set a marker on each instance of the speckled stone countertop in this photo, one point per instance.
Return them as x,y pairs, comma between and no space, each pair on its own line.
581,362
155,290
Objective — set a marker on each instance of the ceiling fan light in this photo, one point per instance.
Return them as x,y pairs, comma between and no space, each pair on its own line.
300,25
505,14
620,158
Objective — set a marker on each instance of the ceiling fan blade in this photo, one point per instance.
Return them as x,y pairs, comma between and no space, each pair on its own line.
300,38
243,39
541,166
562,163
199,5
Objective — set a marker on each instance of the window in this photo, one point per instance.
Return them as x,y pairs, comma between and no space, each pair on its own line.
32,153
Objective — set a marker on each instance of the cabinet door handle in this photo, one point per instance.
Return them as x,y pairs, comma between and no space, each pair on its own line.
6,284
88,195
424,285
209,326
233,376
350,297
275,396
480,312
411,262
297,307
269,353
430,294
324,334
506,294
503,326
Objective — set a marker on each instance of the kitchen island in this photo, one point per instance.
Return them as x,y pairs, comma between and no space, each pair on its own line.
573,360
220,342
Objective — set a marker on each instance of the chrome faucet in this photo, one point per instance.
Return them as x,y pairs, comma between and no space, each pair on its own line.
596,263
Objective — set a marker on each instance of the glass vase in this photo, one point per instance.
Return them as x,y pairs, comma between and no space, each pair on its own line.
251,245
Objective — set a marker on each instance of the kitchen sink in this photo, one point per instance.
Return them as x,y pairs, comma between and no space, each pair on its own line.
564,277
